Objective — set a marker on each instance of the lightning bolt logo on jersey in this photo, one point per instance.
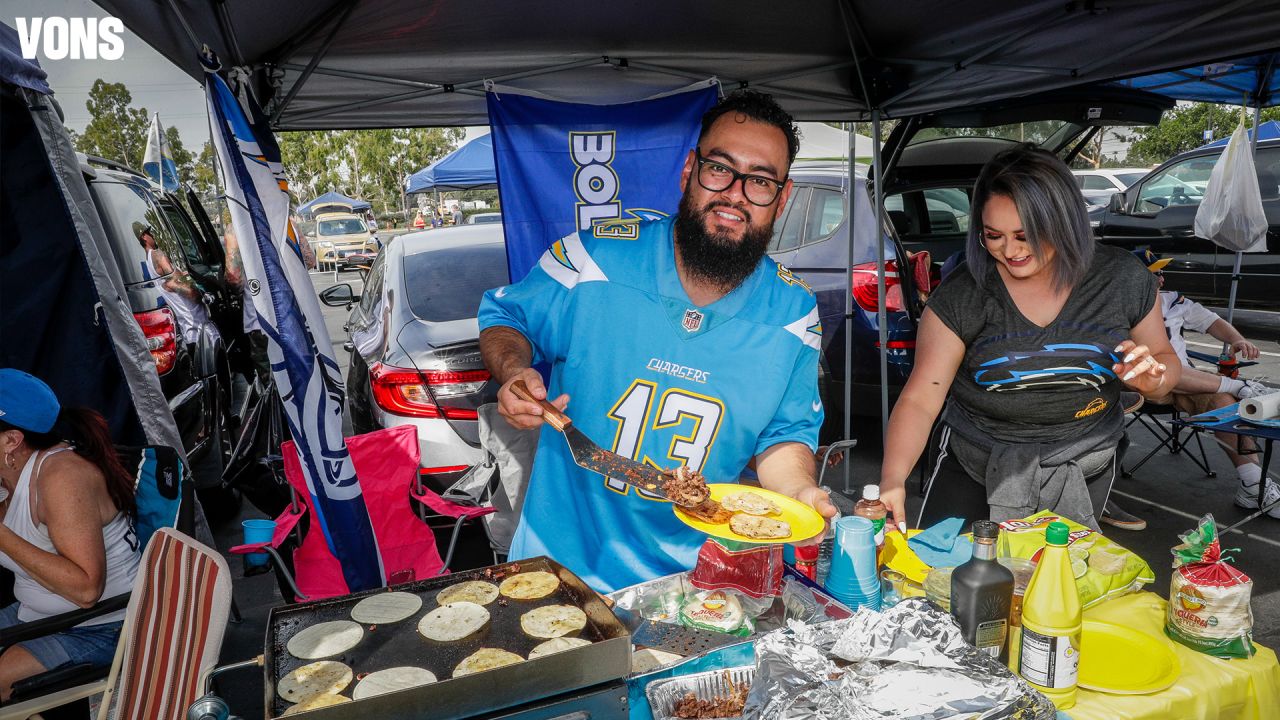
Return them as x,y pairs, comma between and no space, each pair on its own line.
659,380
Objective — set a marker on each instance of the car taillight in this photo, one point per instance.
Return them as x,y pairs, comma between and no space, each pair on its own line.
404,392
865,290
162,337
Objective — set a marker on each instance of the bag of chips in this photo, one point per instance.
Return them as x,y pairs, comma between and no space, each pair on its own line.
1103,569
1209,599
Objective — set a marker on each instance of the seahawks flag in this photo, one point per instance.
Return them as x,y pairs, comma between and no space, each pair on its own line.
301,354
157,162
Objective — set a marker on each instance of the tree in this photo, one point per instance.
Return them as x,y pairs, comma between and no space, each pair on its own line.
1182,128
182,157
116,131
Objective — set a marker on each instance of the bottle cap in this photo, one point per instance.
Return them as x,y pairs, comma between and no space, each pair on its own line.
870,492
986,529
1056,533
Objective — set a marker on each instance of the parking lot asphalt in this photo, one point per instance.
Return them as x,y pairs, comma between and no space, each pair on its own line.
1170,492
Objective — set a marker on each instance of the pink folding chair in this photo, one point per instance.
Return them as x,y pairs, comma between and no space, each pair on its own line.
386,463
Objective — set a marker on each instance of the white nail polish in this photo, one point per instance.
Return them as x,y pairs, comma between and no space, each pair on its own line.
1128,376
1118,347
902,528
1129,358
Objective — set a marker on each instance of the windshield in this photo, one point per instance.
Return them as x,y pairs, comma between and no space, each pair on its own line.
1129,178
447,284
341,226
1037,132
485,219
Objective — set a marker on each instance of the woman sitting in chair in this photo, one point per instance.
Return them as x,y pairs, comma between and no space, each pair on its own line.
67,532
1033,336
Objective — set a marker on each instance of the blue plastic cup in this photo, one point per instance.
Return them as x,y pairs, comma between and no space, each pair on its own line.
257,531
853,558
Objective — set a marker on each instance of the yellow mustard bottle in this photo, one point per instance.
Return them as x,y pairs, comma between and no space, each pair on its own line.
1049,646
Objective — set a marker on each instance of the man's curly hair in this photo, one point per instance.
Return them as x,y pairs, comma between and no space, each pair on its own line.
760,107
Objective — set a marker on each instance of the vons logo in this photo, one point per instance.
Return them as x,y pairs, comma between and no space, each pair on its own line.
59,38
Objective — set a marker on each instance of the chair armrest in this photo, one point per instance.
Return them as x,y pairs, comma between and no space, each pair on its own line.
1202,356
63,678
65,621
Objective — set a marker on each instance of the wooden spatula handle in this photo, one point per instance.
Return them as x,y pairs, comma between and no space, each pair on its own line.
550,412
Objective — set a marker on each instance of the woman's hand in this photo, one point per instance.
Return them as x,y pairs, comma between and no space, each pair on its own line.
894,497
1138,369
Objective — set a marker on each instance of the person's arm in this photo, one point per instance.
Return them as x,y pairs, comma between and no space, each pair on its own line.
1227,333
68,506
509,357
789,468
939,352
1148,363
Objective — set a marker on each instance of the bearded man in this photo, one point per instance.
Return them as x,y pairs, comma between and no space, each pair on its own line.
683,346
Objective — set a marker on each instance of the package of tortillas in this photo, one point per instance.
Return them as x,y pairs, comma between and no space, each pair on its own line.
1208,598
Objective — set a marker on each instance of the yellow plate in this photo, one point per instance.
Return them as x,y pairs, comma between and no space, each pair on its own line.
805,522
1123,661
899,556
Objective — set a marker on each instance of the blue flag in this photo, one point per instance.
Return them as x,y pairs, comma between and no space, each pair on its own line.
157,161
564,167
288,311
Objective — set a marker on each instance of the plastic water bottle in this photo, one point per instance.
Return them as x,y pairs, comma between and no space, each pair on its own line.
825,550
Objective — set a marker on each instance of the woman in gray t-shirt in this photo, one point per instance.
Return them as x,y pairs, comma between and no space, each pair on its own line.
1033,336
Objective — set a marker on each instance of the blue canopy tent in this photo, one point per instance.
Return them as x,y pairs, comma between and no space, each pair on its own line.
1250,80
470,167
333,197
1269,130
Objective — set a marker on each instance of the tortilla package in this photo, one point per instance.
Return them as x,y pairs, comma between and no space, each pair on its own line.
751,569
1209,599
1103,569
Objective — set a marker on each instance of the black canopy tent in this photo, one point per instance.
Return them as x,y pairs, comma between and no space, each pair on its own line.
404,63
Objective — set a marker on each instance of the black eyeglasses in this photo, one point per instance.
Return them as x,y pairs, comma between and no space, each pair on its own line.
718,177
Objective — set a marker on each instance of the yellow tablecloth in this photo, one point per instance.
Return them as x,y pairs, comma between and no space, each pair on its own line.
1209,687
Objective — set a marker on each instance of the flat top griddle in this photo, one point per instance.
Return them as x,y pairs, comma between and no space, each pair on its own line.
397,644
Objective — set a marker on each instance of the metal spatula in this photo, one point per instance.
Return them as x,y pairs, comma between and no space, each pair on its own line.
591,456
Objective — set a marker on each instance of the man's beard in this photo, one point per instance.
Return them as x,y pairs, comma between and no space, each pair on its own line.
715,257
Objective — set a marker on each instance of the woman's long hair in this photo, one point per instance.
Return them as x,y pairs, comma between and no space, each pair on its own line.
87,432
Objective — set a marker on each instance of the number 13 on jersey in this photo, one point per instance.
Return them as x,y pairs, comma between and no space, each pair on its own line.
698,415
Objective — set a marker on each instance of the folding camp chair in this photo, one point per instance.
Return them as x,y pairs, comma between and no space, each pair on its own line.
163,492
386,463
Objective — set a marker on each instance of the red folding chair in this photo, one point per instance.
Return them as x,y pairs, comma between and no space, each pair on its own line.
386,463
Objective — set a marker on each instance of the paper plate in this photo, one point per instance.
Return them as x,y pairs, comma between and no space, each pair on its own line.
805,521
1122,661
898,555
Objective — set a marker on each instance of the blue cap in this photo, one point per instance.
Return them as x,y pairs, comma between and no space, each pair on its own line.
26,402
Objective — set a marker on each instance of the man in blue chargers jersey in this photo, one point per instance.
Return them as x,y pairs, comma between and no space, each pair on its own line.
680,344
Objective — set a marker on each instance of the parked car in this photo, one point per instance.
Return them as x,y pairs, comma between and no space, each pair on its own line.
1159,212
339,233
1099,184
190,348
414,342
484,218
931,164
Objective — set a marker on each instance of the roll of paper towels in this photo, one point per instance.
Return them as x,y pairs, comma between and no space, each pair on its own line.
1263,407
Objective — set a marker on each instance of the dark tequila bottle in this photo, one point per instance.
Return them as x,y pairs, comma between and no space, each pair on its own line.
982,592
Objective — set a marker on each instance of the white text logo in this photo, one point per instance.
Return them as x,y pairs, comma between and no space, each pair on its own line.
59,38
667,367
595,181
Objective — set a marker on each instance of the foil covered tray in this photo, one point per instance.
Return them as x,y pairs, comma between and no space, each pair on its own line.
664,694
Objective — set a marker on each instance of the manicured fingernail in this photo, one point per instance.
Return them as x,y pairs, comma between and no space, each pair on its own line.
1128,376
902,528
1129,357
1162,368
1118,347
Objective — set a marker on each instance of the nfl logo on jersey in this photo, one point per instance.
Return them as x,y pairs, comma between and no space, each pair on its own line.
692,320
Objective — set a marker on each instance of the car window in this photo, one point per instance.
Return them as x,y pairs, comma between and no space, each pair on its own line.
186,235
948,210
127,216
1127,179
341,226
1180,184
1098,182
825,212
447,284
786,236
373,286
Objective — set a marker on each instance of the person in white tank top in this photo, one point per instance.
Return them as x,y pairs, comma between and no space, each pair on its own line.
66,526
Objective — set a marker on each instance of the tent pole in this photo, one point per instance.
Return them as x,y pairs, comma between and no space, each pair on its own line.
311,66
882,315
848,303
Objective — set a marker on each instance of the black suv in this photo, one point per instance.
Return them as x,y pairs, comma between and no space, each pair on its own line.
190,343
1159,212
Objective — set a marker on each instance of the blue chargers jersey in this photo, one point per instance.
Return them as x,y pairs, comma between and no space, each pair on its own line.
655,378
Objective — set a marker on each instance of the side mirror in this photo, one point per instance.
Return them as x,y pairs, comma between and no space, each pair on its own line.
340,295
1116,204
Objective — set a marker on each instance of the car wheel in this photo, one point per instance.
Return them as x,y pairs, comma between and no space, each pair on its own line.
221,504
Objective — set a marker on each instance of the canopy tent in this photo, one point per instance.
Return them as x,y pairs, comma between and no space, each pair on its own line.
819,141
333,196
363,63
470,167
1269,130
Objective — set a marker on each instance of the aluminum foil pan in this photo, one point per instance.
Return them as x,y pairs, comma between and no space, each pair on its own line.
908,663
664,694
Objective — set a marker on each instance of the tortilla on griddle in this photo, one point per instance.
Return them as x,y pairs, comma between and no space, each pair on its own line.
476,591
317,701
391,680
555,645
453,621
387,607
325,639
322,676
485,659
529,585
749,503
553,621
754,526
